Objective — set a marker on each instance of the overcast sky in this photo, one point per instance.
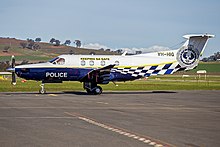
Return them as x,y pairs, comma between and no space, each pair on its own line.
112,23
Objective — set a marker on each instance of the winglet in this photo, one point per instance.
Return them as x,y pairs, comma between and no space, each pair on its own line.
199,35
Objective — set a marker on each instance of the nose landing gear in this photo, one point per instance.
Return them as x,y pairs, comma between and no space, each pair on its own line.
42,89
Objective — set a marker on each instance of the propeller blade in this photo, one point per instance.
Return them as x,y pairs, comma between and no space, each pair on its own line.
13,61
12,69
13,82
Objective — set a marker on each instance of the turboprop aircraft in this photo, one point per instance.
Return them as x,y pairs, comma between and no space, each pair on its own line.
93,70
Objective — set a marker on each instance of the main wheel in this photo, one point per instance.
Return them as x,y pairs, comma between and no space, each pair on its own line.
97,90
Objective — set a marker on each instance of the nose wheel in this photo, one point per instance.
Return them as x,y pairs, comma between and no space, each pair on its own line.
42,89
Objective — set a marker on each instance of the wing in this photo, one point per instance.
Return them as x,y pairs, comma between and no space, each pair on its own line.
99,76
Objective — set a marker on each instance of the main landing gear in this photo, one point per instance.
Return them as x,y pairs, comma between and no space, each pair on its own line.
92,88
42,89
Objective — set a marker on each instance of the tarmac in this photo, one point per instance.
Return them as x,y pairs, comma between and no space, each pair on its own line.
131,119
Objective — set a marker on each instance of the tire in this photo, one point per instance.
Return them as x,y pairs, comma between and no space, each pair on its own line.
42,91
98,90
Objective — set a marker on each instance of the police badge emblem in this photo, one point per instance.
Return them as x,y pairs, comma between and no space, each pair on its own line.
187,57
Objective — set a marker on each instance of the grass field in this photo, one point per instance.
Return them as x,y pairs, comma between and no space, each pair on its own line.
153,83
208,66
28,58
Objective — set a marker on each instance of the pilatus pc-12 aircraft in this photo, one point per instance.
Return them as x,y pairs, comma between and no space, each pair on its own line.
93,70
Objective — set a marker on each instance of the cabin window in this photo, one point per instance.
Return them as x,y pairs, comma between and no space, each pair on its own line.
116,63
60,61
83,62
102,63
91,63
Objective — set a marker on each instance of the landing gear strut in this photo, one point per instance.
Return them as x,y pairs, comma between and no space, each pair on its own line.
92,88
42,89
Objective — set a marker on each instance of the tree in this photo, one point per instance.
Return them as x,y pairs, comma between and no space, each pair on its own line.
138,52
38,40
23,44
67,42
119,51
30,44
78,43
214,57
30,40
108,50
36,46
52,40
57,42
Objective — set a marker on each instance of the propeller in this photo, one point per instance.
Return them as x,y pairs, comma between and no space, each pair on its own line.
12,70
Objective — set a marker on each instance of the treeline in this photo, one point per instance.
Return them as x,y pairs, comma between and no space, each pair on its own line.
35,44
214,57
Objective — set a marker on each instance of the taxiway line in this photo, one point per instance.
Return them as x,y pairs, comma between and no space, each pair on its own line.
141,138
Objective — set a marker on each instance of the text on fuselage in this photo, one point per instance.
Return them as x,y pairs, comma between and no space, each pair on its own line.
56,75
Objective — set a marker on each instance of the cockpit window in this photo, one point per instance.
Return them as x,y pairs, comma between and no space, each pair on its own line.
60,61
57,60
54,59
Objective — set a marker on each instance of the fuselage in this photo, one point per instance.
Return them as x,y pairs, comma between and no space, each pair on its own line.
75,67
92,70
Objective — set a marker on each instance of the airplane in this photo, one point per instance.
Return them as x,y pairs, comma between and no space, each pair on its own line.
93,70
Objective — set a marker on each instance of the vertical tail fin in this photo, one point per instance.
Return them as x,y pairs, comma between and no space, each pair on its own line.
188,55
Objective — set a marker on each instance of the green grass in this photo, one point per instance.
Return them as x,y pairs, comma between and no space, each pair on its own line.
209,78
139,85
29,58
209,67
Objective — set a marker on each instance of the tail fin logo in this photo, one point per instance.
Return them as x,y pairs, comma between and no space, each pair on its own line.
188,56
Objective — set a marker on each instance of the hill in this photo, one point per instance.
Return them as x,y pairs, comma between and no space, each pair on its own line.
12,46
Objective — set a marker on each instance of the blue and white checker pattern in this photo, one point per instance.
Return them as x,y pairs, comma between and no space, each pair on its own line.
146,71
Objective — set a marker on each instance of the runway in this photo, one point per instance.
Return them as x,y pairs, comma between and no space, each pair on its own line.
145,118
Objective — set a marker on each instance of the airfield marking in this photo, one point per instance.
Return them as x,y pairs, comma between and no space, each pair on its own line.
141,138
52,94
102,103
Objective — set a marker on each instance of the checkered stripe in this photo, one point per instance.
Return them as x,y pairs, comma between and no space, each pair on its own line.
146,71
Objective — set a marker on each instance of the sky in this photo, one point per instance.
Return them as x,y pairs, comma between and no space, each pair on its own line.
133,24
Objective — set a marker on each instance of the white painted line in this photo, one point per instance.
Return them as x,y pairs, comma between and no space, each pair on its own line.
131,135
102,103
124,133
136,137
52,94
147,141
127,134
142,139
152,143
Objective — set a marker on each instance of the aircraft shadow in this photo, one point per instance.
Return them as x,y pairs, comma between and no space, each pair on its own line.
119,92
85,93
